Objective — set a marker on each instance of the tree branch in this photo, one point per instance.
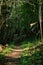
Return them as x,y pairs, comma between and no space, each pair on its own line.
29,2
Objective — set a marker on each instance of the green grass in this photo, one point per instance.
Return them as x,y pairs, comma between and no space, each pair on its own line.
7,50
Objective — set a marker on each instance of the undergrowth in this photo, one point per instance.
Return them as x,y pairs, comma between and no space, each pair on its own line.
35,59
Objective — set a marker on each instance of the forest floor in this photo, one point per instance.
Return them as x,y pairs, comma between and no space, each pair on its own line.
12,58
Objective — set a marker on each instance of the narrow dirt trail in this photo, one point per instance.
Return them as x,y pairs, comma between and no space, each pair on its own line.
16,52
12,58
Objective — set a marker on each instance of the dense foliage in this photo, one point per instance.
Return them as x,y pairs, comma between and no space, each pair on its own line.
16,17
21,22
34,59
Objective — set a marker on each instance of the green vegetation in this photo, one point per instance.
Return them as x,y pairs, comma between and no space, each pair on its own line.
32,56
21,23
29,43
1,56
15,18
8,49
36,58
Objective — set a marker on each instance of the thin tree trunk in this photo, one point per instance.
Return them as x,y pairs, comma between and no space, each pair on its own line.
40,18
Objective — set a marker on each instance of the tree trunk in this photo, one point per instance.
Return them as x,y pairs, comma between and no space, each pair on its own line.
40,18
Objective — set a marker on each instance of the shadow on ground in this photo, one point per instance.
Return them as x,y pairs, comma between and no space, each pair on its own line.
9,61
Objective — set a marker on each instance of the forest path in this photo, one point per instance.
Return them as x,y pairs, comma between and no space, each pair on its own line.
16,52
12,58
